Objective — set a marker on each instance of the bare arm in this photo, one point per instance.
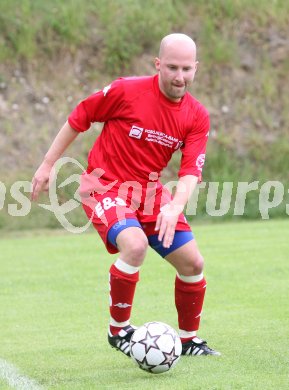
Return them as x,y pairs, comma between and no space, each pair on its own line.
168,217
61,142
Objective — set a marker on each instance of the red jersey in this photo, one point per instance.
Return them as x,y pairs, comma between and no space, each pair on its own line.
142,129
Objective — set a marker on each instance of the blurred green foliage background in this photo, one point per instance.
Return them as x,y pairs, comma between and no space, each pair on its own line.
55,53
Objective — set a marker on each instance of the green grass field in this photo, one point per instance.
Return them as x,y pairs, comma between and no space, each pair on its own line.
54,311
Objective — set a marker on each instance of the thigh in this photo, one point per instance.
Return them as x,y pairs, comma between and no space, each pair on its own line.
187,259
107,210
180,239
132,244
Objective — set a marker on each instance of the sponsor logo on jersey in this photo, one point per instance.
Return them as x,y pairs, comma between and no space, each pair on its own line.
155,136
136,132
200,161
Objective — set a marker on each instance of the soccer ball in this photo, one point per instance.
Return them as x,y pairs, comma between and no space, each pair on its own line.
155,347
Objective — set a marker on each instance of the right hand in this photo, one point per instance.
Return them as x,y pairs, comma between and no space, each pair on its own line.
40,181
166,223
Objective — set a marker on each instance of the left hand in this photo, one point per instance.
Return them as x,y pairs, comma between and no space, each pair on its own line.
166,223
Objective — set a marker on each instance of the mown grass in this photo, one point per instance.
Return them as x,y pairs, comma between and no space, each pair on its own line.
4,386
54,311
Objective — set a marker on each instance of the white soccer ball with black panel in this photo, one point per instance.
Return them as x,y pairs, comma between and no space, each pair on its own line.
155,347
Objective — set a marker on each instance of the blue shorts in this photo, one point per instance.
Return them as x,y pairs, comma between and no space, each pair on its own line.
180,238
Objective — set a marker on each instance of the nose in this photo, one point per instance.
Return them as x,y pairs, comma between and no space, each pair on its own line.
179,76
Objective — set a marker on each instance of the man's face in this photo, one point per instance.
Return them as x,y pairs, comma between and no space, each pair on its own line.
177,67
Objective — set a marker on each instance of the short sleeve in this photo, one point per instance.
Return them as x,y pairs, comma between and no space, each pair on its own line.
194,147
98,107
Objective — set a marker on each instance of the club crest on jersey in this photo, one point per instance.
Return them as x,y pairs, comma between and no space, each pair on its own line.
200,161
106,89
136,132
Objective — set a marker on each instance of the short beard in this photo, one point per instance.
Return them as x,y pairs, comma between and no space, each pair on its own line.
173,95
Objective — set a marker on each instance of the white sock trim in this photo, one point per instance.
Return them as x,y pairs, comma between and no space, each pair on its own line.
191,279
119,324
185,334
124,267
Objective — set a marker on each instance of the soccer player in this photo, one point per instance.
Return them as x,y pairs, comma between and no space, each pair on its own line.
146,119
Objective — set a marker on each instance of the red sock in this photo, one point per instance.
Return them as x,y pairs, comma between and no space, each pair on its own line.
122,289
189,298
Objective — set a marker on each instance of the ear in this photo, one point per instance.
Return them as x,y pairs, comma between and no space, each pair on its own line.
157,63
196,65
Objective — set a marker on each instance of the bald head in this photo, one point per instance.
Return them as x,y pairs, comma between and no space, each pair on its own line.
176,65
177,41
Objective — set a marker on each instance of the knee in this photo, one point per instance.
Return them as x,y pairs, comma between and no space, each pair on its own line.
193,267
138,248
198,264
135,251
